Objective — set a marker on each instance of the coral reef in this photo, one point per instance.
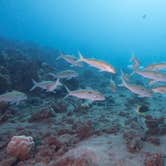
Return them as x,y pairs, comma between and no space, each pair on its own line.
20,146
65,131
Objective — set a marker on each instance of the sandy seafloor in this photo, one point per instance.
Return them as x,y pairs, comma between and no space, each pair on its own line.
74,132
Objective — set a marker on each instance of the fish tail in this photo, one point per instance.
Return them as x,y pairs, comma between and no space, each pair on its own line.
80,56
58,82
59,57
52,74
132,57
68,92
35,84
123,78
67,89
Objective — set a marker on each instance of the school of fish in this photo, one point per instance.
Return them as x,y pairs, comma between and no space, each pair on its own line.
154,74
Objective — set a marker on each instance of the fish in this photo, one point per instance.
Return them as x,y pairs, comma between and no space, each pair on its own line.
49,86
140,90
160,89
66,74
88,94
144,16
156,67
72,60
102,66
135,64
13,97
154,76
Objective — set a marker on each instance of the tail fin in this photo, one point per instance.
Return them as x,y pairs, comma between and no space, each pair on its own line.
34,85
80,56
59,57
52,74
67,89
124,78
68,92
58,82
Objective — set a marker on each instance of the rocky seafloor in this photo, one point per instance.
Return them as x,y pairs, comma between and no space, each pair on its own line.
70,131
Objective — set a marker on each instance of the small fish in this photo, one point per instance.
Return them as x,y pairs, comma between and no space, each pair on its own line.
13,97
86,94
72,60
137,89
49,86
144,16
135,62
66,74
102,66
160,89
156,67
113,86
155,76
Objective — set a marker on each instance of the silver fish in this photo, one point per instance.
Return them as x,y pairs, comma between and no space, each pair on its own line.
160,89
86,94
49,86
135,62
66,74
102,66
72,60
152,75
13,97
141,91
156,67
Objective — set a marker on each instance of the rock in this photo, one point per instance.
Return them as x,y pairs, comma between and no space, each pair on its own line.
154,159
20,146
41,115
154,140
78,157
59,107
3,107
4,117
9,161
156,126
133,141
85,130
52,140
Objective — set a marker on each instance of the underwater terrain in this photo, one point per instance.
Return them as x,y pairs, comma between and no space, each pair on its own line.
82,83
59,110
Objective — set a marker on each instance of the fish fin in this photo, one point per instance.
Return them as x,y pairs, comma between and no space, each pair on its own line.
67,89
69,78
58,82
120,85
17,102
124,79
81,58
52,74
141,96
65,96
35,84
88,88
132,73
59,57
68,92
151,82
101,70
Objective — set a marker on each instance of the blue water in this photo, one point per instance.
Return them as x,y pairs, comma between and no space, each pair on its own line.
110,30
124,122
